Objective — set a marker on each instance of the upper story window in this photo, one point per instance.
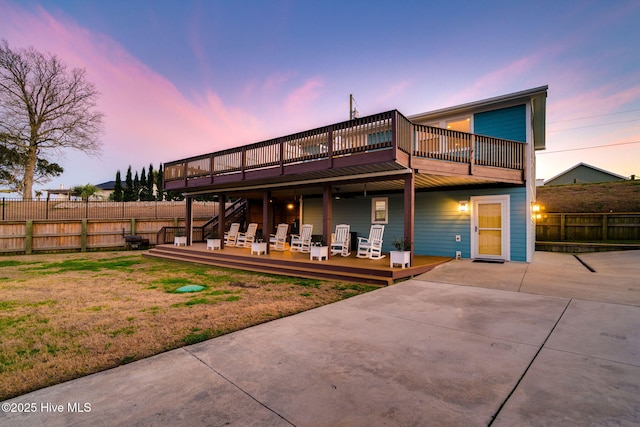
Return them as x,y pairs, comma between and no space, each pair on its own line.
460,124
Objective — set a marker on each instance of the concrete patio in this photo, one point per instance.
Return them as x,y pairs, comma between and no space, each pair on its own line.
546,343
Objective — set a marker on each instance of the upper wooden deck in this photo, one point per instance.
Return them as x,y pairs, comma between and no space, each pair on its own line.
378,147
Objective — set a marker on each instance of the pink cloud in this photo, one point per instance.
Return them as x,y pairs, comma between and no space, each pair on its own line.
147,118
301,97
598,101
393,91
499,78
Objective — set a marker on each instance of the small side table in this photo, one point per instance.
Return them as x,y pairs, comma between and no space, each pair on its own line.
320,252
180,240
400,257
259,248
214,244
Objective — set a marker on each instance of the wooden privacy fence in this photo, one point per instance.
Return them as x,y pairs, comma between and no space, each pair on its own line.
588,227
27,237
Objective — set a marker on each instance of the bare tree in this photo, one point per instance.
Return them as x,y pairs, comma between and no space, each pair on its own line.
44,110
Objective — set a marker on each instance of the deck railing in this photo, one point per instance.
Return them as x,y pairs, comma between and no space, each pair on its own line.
389,130
354,136
454,146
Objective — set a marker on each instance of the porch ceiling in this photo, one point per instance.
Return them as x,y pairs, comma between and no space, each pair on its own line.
346,182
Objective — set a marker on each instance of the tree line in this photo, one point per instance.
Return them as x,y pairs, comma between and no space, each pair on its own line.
147,186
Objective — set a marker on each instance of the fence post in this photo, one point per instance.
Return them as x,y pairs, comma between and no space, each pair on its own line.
83,236
28,237
3,208
133,226
605,227
563,234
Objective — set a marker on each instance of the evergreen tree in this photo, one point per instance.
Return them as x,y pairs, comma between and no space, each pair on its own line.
136,187
145,194
159,184
117,194
150,181
129,194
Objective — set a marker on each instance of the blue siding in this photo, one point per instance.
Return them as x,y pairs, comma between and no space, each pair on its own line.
508,123
437,223
357,213
437,220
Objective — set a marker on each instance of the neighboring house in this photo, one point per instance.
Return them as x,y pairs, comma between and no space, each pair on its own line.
455,180
106,188
583,173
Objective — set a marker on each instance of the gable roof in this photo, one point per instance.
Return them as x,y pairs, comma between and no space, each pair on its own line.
583,173
537,96
109,185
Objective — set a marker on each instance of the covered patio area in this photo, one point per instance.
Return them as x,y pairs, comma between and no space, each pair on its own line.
296,264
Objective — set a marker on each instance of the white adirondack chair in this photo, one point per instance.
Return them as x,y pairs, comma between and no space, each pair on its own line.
302,242
231,236
246,239
341,240
371,247
277,241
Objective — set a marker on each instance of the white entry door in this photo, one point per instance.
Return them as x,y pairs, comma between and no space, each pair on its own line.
490,234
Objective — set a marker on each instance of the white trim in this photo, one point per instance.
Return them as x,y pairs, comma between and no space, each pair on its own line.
505,201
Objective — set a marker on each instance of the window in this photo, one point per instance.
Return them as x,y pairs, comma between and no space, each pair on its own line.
379,210
461,125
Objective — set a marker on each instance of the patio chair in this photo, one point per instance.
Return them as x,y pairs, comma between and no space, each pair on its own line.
246,239
231,236
277,241
302,242
371,247
341,240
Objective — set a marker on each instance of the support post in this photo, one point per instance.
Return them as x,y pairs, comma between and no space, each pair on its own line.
327,209
409,210
187,219
83,236
222,217
28,237
267,217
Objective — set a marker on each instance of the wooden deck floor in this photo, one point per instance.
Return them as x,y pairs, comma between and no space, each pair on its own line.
295,264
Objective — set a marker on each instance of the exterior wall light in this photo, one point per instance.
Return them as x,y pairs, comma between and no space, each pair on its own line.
463,206
536,208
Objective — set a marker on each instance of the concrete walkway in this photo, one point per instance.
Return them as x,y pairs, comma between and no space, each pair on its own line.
546,343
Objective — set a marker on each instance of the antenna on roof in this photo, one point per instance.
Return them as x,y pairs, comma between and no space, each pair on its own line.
353,111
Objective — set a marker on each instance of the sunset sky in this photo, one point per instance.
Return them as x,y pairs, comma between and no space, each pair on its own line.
181,78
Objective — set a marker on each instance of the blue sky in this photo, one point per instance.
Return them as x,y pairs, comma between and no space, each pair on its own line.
180,78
